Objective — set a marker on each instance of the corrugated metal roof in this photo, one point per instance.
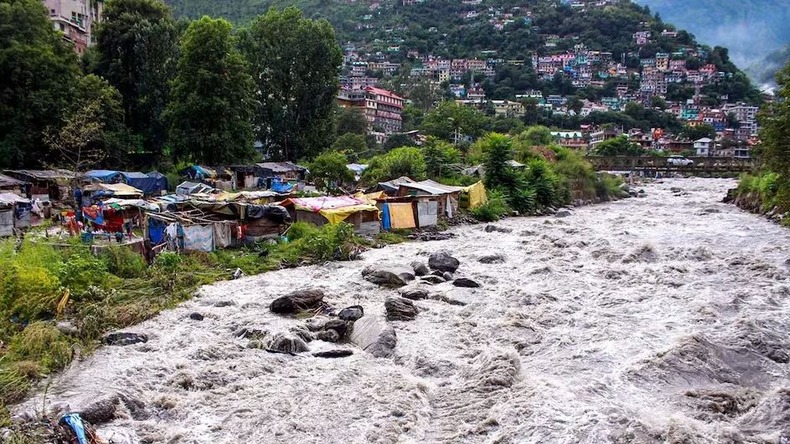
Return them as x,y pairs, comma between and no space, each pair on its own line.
8,181
431,187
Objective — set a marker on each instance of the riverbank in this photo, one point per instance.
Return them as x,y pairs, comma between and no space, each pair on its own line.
639,318
760,194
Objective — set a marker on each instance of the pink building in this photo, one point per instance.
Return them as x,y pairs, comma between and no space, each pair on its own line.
76,19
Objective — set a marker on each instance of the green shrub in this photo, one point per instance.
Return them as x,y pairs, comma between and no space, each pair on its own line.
43,343
81,271
30,292
123,262
13,385
494,208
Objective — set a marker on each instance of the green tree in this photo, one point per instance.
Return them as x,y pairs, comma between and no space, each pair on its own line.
352,145
404,161
137,46
37,72
451,121
211,102
775,132
698,132
618,146
351,120
396,140
497,151
440,157
537,135
330,168
295,62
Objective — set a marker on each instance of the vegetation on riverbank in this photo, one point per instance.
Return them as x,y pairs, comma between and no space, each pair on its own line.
768,190
42,284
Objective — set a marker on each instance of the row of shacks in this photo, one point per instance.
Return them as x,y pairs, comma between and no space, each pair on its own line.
209,220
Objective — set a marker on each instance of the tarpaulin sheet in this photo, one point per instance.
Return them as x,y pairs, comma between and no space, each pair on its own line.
94,214
147,184
337,215
199,238
402,215
386,223
106,176
161,180
222,235
477,194
156,231
281,187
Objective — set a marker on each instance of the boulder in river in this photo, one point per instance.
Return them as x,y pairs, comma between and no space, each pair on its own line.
562,213
196,316
103,409
297,301
447,276
432,279
390,276
329,335
466,283
493,228
400,309
285,343
414,293
492,259
351,313
373,335
124,338
338,325
420,269
337,353
441,260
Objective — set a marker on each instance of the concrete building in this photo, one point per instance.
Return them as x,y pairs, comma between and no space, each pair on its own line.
382,108
76,19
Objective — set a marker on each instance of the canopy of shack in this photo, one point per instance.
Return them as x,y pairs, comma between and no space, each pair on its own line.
10,199
240,196
200,172
42,175
392,186
270,169
186,188
122,204
334,209
428,187
143,182
9,182
105,176
115,189
161,180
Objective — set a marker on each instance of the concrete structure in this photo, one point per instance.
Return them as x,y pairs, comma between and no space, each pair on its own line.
382,108
76,19
703,147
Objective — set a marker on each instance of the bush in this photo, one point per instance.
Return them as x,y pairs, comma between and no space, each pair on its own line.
81,271
43,343
123,262
494,208
30,292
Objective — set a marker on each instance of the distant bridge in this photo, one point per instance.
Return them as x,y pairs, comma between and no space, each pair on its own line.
650,165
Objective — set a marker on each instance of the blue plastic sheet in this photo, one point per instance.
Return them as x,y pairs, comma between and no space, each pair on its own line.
74,421
386,220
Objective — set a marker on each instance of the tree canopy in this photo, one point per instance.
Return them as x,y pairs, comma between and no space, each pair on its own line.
211,104
295,63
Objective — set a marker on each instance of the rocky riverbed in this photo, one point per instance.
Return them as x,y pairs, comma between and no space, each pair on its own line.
659,319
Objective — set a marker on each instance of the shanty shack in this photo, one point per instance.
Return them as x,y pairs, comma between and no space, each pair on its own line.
363,215
10,185
147,184
14,213
52,185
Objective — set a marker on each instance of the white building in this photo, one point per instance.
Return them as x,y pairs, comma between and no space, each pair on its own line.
703,147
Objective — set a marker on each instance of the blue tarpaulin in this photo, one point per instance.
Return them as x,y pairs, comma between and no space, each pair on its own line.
74,421
281,187
156,231
161,180
143,182
104,176
386,221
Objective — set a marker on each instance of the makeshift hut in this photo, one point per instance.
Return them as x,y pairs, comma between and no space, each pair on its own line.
391,187
244,176
335,209
188,188
447,196
9,184
217,177
52,185
286,171
161,181
196,225
102,176
14,213
150,186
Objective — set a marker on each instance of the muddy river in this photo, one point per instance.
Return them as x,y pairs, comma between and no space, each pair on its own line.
656,319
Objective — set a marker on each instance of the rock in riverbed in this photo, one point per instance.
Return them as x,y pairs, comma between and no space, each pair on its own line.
340,353
390,276
297,301
400,309
124,338
466,283
351,313
441,260
284,343
372,334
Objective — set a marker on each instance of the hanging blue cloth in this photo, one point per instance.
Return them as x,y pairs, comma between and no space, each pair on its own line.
74,421
386,221
156,231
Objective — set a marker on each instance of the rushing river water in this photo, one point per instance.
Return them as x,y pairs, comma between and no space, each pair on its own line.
658,319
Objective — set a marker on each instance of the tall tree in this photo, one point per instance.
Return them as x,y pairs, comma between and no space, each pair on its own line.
37,72
137,49
212,98
295,62
775,132
351,120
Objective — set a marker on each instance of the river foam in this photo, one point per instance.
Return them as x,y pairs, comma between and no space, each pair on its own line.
657,319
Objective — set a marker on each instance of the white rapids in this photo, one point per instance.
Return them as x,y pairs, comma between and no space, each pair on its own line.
656,319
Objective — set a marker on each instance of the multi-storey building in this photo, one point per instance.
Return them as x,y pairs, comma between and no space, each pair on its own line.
76,19
382,108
